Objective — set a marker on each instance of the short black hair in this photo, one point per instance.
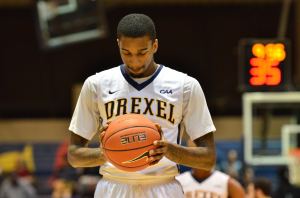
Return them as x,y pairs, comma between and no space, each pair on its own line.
136,25
264,185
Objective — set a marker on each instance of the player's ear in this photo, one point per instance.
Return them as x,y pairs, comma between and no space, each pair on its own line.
155,45
118,41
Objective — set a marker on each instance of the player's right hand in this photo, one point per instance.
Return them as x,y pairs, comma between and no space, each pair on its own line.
102,131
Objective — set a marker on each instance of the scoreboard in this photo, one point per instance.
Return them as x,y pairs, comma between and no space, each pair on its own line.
264,65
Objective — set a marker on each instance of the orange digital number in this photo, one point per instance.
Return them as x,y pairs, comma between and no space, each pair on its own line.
265,65
264,72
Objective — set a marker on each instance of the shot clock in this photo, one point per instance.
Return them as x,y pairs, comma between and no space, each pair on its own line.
264,65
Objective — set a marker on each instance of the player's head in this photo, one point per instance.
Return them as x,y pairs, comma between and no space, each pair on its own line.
137,43
262,187
135,26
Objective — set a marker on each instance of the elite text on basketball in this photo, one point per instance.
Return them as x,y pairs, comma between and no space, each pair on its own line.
131,138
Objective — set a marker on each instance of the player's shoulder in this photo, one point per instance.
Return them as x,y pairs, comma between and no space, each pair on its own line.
219,174
185,175
187,78
185,178
170,71
103,75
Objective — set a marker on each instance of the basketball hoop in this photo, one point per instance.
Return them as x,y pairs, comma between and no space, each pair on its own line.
294,166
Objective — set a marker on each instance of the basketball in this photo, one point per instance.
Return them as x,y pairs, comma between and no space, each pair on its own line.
127,141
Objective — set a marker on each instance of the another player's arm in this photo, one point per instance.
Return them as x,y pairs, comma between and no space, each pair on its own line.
235,190
202,157
79,155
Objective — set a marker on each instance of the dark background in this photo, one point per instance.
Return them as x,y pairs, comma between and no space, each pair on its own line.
201,40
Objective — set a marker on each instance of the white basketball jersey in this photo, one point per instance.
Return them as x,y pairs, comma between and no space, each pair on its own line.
215,186
168,97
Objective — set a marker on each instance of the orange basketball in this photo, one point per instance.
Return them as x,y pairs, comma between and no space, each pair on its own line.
127,141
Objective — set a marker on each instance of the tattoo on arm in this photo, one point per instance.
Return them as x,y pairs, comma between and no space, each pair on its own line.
205,141
79,155
201,156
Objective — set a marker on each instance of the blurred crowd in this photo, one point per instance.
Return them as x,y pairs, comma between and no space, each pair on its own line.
68,182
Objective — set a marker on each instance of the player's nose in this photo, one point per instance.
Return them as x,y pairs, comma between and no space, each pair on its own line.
134,62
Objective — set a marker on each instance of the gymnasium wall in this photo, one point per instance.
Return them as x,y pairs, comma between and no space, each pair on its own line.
56,130
199,39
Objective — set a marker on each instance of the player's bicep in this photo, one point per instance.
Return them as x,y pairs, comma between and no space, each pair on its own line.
206,148
77,141
75,149
206,140
235,190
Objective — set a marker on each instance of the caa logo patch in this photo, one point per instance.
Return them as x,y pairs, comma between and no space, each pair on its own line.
166,91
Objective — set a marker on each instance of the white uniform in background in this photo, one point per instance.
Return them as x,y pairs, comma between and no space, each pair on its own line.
215,186
168,97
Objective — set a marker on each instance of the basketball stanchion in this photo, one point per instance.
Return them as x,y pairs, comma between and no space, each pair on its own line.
294,166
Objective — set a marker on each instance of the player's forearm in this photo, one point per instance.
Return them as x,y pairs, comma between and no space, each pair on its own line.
196,157
85,157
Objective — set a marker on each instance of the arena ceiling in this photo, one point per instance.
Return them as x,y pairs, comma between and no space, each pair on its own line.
109,3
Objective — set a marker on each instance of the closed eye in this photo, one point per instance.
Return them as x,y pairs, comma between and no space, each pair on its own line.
142,53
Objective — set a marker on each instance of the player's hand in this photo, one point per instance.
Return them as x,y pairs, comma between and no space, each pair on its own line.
155,155
102,131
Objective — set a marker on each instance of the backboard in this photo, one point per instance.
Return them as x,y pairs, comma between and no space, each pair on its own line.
266,117
62,22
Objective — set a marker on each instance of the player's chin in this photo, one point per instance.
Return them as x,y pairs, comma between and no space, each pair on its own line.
136,72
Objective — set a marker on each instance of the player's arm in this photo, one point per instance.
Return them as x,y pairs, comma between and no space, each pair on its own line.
235,190
202,157
79,155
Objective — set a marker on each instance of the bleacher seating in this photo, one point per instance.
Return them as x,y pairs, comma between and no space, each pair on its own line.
44,156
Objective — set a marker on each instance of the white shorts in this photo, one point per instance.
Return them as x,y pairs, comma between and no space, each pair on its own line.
112,189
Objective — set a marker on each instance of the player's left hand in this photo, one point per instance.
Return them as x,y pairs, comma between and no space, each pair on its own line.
155,155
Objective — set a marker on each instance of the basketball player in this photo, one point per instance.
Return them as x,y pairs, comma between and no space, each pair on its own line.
209,184
169,98
261,188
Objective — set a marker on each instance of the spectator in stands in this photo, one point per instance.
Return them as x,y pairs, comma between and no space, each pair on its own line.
13,187
23,171
232,166
260,188
64,181
1,175
247,176
202,183
87,182
64,177
285,188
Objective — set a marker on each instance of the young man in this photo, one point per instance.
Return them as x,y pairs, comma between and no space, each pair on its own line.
169,98
209,184
260,188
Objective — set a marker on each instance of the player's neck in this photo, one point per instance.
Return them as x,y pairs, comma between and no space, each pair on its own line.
151,69
201,174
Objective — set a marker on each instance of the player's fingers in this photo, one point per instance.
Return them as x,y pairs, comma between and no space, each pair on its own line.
153,163
157,151
102,131
103,128
160,143
102,135
155,159
159,129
